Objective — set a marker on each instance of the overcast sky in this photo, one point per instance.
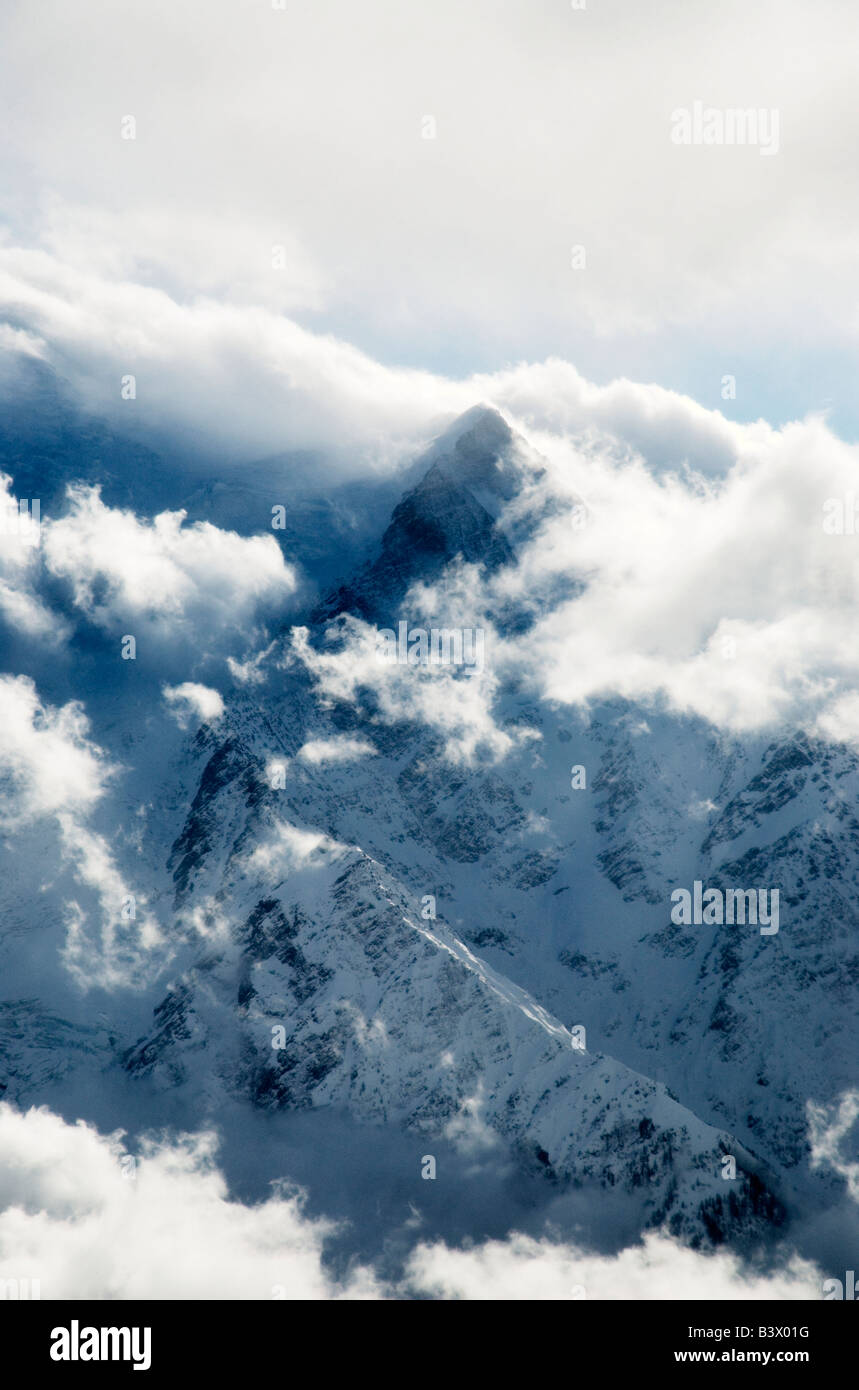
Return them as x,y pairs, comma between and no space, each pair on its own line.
303,127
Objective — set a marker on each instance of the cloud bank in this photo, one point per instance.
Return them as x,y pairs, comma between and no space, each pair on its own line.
89,1220
327,127
725,596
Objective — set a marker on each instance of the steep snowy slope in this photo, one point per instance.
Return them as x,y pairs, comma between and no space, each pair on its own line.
386,1013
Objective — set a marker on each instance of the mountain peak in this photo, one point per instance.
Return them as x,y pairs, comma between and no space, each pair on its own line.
463,481
481,452
481,423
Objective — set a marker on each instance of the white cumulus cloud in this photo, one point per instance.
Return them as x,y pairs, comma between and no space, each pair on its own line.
190,698
335,750
171,579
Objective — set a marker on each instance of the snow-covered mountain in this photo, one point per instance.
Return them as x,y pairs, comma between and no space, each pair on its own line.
478,954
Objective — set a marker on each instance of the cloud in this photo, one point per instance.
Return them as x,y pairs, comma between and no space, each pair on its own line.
191,588
250,672
829,1127
212,374
25,612
195,584
126,947
468,1131
15,341
20,535
290,849
722,592
84,1224
675,495
210,370
725,598
88,1219
54,771
50,764
346,137
244,260
839,722
521,1267
335,750
191,699
454,705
